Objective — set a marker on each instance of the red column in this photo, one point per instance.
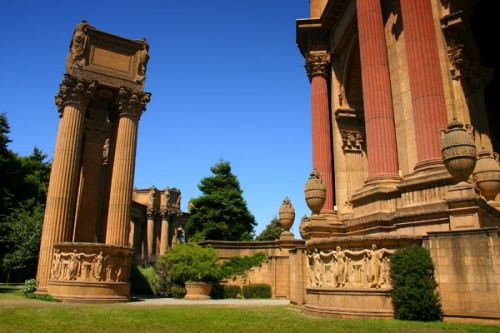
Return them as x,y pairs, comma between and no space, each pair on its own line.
377,98
317,66
429,108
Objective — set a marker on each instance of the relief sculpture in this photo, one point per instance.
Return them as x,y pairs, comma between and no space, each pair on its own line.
365,268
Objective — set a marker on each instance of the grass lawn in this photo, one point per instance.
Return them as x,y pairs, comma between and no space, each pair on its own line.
18,314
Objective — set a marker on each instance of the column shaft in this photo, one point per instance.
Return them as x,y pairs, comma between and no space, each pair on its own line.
427,93
150,234
377,98
61,194
164,234
122,180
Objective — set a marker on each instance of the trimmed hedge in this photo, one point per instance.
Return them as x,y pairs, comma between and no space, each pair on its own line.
177,291
225,291
414,293
258,290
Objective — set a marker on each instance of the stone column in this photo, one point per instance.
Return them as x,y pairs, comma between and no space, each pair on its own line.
426,85
130,107
377,99
131,237
164,233
72,101
318,67
150,232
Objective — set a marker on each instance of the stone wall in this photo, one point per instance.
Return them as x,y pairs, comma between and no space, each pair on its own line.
467,272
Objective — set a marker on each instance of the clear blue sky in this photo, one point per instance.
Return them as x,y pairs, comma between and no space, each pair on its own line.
226,78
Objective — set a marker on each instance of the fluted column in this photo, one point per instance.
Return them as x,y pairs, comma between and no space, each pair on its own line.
318,66
164,233
377,98
72,101
426,85
150,232
130,107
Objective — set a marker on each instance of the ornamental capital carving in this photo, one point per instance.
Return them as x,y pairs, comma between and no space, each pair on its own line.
73,91
351,141
317,64
131,104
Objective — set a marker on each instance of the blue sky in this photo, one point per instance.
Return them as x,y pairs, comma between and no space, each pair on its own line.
226,78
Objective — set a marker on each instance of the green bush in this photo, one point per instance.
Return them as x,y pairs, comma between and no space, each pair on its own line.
231,291
28,291
177,291
189,262
414,293
144,280
258,290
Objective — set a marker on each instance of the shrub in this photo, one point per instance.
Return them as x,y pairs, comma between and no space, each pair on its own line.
414,293
189,262
217,291
258,290
28,291
177,291
144,280
231,291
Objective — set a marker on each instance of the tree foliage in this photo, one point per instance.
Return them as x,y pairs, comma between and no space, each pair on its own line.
271,232
413,285
220,213
23,190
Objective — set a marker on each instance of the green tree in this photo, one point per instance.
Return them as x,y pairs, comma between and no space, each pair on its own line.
271,232
414,293
220,213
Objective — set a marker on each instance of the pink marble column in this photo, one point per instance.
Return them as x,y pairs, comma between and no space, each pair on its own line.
377,98
318,67
426,84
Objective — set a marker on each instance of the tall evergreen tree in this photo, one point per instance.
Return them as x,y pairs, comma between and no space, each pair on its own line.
220,213
272,231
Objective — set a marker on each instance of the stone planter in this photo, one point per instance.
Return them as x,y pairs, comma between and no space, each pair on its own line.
458,151
487,174
198,290
287,214
315,192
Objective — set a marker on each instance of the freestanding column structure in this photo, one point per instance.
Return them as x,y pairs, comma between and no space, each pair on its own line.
377,100
164,233
429,107
59,210
130,107
317,66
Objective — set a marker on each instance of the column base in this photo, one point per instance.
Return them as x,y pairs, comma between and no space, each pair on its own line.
286,235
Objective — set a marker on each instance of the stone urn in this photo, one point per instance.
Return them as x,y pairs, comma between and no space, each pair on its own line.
487,174
197,290
287,216
458,151
315,192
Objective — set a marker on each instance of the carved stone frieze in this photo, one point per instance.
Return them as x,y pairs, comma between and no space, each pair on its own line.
131,103
90,264
362,268
351,140
317,64
73,91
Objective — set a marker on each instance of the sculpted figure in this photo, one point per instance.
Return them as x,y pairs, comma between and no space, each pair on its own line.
78,42
143,61
105,152
98,265
74,263
56,264
316,256
374,257
340,268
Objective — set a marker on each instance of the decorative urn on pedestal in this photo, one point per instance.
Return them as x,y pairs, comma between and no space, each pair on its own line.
487,174
287,216
315,192
458,151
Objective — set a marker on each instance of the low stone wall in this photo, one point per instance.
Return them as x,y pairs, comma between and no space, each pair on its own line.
285,278
467,272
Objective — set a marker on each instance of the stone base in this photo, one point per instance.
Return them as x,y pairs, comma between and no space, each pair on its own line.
287,235
349,303
89,292
320,226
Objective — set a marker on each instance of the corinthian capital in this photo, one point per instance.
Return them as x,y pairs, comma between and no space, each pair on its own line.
131,104
317,64
73,91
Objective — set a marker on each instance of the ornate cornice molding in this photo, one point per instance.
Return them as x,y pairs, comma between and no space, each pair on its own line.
131,104
73,91
317,64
